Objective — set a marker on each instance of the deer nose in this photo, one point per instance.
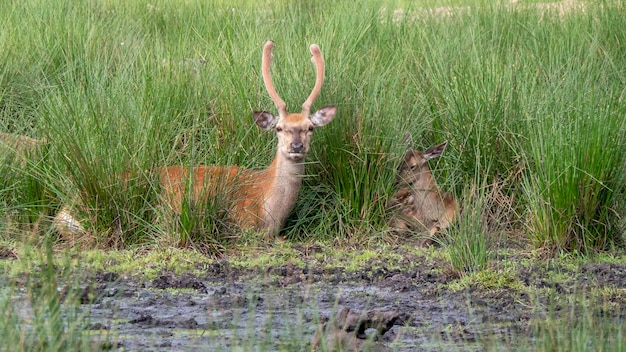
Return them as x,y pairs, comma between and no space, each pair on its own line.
297,147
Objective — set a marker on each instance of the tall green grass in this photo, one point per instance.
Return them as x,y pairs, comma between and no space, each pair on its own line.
522,94
469,240
575,139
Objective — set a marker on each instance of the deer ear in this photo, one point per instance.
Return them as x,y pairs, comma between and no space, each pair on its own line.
434,151
265,120
408,139
324,115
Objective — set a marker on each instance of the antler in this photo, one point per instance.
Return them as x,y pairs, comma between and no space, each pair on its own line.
267,79
318,60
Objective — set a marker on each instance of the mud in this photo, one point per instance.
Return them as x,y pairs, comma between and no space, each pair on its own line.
408,308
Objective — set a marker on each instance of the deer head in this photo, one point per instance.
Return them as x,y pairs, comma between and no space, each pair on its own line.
294,130
418,203
414,170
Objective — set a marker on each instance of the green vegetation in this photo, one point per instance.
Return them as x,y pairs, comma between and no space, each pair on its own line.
529,94
468,244
50,319
530,98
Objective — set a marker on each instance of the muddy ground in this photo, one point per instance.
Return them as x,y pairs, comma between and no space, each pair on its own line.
411,305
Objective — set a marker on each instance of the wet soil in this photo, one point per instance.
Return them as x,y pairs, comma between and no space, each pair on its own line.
406,306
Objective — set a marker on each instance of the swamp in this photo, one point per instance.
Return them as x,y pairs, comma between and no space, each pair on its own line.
526,99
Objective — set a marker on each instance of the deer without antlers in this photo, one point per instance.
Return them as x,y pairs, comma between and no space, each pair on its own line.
418,204
260,199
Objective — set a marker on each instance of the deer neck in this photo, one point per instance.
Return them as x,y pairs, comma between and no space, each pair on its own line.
281,196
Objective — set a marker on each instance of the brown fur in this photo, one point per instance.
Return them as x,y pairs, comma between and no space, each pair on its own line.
18,146
418,204
260,199
257,199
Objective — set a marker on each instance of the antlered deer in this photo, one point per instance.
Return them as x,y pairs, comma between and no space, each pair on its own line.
260,199
419,205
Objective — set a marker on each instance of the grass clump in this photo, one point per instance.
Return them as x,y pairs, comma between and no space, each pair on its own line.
468,242
573,190
575,177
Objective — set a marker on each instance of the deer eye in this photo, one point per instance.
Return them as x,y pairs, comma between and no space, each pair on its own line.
311,128
279,129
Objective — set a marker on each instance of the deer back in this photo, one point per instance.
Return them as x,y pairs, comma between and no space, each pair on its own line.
18,144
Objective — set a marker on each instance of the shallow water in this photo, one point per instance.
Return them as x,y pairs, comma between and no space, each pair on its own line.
282,308
262,316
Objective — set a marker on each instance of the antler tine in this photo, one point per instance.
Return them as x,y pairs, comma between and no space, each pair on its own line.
267,79
318,60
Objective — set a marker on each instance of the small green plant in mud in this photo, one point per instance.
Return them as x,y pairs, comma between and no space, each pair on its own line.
468,241
353,260
488,279
147,263
42,313
262,257
576,325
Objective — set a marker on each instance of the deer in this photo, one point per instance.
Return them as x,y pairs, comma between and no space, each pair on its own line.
419,205
260,199
18,146
23,148
18,150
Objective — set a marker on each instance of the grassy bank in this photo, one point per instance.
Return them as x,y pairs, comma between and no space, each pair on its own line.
529,96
